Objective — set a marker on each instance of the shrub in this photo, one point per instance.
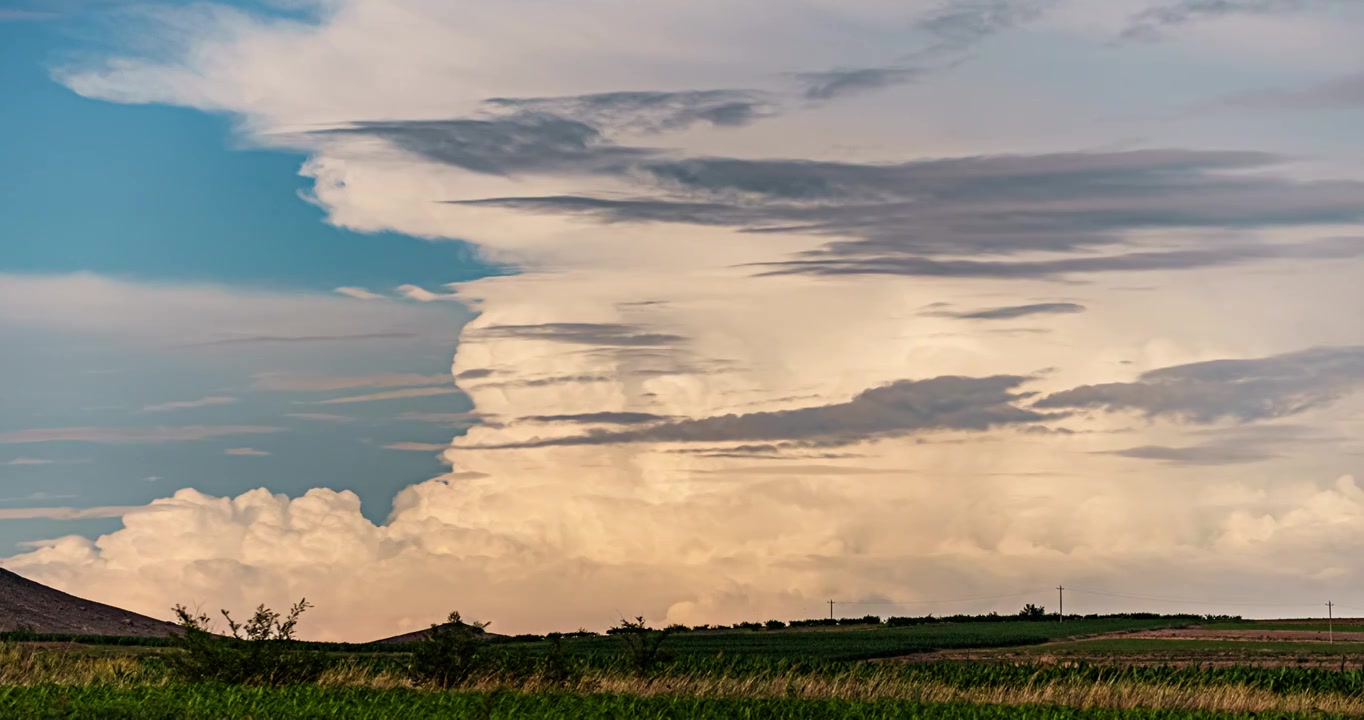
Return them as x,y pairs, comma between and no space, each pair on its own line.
1032,612
449,653
747,626
261,651
557,665
774,625
643,645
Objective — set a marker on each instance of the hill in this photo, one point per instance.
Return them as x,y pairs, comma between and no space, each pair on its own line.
44,610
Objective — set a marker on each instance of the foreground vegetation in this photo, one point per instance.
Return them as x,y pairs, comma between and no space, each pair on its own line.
193,702
759,671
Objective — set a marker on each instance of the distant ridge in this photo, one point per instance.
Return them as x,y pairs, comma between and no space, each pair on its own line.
33,606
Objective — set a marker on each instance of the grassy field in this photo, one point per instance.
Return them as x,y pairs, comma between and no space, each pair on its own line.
195,702
1016,670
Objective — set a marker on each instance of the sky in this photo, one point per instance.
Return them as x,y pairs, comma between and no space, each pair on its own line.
701,311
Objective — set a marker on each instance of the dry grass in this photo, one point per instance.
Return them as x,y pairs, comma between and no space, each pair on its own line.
20,665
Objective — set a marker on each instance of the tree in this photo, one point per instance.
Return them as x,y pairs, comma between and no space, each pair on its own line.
1032,612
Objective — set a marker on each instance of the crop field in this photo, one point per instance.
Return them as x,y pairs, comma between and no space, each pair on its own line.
1090,668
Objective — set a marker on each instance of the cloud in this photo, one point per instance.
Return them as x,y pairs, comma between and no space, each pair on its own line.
22,15
296,382
189,404
391,395
412,292
108,435
1153,23
1244,390
475,374
516,144
903,218
441,418
830,84
321,417
901,408
595,334
70,513
1236,446
418,447
166,316
274,339
1011,312
29,461
954,27
610,418
246,452
650,111
1342,93
359,293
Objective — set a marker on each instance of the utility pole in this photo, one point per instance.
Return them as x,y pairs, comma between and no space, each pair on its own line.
831,609
1061,600
1330,622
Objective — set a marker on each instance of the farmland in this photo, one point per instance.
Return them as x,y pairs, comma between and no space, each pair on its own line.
1120,667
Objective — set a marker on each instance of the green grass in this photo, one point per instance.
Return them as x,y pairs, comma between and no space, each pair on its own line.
192,702
1155,646
1271,625
874,642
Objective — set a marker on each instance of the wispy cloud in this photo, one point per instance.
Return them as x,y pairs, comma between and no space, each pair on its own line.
420,294
73,513
321,417
188,404
29,461
246,452
359,293
1243,389
465,418
273,339
392,395
1153,23
23,15
417,447
323,383
108,435
1011,312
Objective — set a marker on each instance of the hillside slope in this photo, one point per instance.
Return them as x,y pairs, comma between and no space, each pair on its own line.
37,607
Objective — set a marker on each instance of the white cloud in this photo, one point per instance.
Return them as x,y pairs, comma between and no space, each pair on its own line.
660,529
417,447
246,452
71,513
188,404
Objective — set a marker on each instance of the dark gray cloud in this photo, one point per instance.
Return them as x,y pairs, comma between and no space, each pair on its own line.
1234,447
967,22
611,418
643,111
904,407
830,84
1127,262
520,143
596,334
1152,23
1245,390
901,218
475,374
954,28
1016,311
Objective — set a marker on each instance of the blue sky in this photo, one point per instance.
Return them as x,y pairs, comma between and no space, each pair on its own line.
843,298
162,196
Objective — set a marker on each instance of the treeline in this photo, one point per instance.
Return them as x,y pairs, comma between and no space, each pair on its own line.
1036,614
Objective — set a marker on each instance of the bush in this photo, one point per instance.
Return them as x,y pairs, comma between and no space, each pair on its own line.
643,646
449,654
747,626
261,651
1032,612
774,625
864,620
